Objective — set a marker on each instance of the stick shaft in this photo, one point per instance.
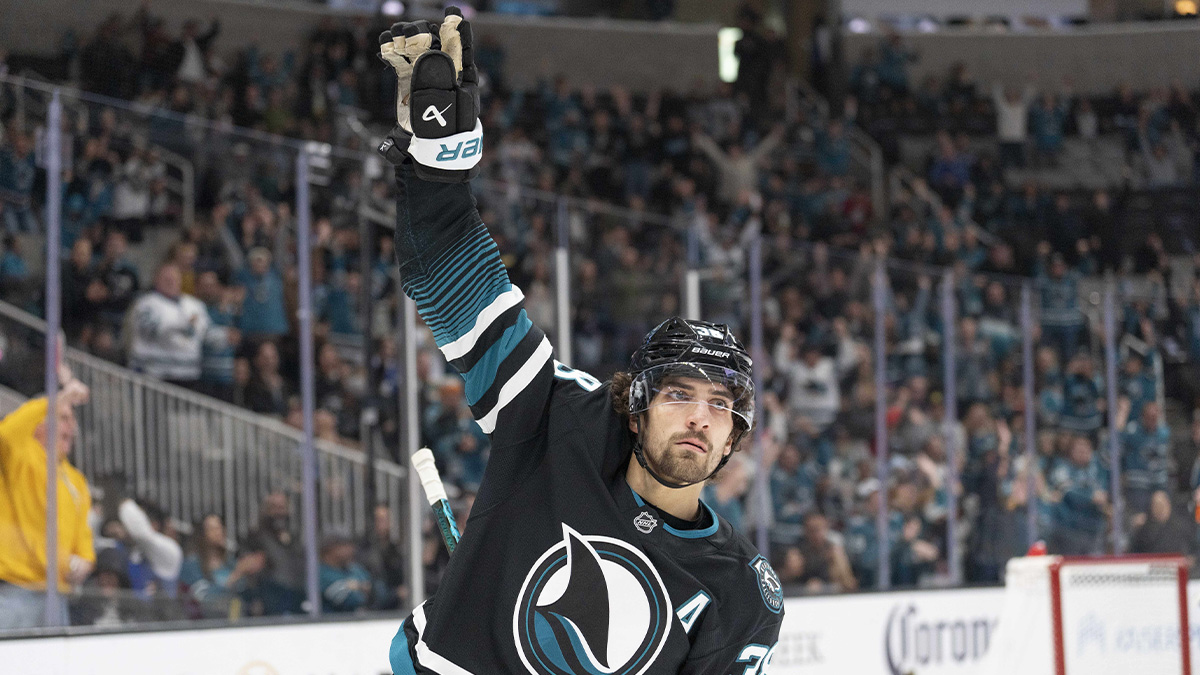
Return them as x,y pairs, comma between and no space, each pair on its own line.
435,492
447,524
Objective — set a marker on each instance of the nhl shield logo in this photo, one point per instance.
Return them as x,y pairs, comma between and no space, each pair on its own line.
768,584
645,523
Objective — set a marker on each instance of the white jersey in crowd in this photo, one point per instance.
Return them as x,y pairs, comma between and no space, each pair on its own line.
813,392
1012,117
168,336
131,197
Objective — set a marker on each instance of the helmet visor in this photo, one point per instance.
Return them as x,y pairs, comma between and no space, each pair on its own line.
726,393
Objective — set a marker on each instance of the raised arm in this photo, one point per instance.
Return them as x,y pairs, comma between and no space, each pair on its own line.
709,147
18,425
163,553
448,263
452,269
768,144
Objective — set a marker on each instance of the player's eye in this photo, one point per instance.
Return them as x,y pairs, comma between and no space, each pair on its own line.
678,395
720,404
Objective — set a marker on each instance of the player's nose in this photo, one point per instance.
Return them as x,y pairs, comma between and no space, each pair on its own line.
699,415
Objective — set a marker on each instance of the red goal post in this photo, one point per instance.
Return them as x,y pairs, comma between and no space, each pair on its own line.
1104,615
1136,586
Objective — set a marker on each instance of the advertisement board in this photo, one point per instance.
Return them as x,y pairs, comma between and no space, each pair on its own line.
934,632
339,648
922,632
939,632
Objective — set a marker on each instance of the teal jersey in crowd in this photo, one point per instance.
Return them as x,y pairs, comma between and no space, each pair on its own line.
1060,300
1081,396
1076,511
1145,454
263,310
344,590
217,351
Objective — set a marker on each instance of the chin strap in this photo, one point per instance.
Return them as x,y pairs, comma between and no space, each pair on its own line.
641,458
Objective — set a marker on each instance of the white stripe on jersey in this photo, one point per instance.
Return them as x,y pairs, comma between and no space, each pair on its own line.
463,345
427,656
517,384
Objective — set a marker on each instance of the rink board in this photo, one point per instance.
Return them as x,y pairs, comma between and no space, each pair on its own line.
939,632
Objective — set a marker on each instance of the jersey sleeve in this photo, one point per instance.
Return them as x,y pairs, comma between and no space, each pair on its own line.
747,656
18,426
452,269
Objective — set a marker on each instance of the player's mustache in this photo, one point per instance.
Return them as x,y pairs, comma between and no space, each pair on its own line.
691,436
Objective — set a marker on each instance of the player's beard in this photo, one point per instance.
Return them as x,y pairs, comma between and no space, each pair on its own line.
679,463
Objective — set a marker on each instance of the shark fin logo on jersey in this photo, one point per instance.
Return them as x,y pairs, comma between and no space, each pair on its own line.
591,605
768,584
645,523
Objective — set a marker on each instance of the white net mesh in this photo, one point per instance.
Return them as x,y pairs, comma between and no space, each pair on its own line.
1121,618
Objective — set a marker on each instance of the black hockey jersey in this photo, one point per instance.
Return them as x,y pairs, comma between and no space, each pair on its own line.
563,569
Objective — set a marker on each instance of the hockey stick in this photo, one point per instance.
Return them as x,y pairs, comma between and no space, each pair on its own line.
435,492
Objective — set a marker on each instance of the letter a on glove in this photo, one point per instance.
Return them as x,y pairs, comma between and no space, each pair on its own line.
438,122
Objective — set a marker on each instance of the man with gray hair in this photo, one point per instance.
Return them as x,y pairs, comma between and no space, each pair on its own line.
168,328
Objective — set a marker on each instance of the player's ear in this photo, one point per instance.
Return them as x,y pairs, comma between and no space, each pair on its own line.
633,424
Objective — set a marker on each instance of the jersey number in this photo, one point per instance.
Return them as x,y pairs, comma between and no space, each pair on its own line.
563,372
759,658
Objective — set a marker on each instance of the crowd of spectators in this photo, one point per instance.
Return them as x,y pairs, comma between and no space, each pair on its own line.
667,180
822,391
124,560
1023,125
146,569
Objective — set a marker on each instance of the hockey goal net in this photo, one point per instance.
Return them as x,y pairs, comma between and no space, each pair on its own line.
1092,616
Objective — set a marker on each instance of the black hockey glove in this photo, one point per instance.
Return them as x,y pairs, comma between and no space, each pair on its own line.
437,102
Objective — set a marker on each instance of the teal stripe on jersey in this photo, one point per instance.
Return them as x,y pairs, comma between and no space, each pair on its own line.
445,302
481,376
447,281
452,323
486,297
475,257
440,292
445,269
464,305
399,656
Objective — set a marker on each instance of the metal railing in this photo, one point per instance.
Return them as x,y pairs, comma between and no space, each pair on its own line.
31,104
864,151
21,101
195,455
902,180
184,186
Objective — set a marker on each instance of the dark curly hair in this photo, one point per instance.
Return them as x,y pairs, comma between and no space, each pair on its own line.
619,393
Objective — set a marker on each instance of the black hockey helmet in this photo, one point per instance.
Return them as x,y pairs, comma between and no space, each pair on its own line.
694,349
676,340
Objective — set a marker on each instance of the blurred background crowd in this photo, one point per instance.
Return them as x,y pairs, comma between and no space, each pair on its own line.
1004,185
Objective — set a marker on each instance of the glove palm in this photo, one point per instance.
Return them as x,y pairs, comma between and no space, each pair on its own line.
401,51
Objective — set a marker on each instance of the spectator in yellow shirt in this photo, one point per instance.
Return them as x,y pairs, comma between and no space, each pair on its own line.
23,448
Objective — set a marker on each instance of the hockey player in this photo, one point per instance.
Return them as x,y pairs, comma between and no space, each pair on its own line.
589,551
